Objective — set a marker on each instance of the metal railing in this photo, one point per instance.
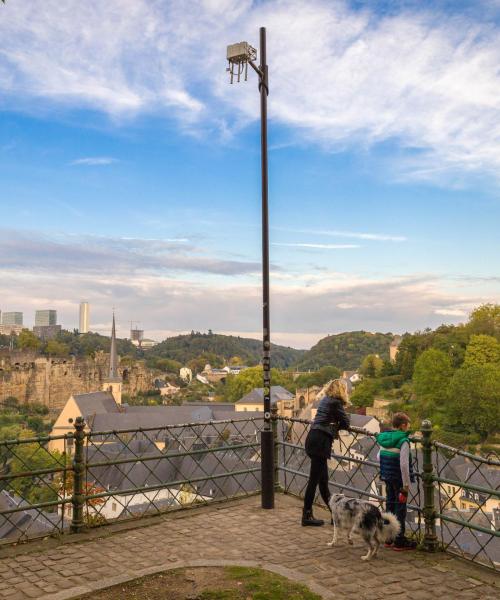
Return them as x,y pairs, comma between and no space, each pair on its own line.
468,504
58,484
453,505
96,477
353,468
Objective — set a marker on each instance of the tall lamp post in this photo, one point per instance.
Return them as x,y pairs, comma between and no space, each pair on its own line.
239,57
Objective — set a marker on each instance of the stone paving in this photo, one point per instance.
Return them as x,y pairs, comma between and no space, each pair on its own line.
237,532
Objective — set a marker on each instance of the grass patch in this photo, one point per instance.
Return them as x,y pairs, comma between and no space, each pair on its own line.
208,583
262,585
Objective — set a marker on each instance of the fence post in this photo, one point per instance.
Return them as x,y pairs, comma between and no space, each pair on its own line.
430,537
274,426
78,476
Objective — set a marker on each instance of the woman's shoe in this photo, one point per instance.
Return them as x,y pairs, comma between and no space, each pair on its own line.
308,519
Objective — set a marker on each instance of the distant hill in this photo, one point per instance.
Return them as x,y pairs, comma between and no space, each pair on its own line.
345,350
184,348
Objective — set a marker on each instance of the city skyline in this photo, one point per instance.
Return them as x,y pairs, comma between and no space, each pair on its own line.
129,171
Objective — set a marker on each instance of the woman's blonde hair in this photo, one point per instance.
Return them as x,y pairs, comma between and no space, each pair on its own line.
338,388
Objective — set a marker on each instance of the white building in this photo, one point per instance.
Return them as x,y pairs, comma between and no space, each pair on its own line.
84,317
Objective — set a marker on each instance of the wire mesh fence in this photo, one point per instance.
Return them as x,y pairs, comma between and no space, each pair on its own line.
133,473
353,468
33,479
55,484
468,504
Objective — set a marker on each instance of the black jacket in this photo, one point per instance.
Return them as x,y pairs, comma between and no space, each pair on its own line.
331,416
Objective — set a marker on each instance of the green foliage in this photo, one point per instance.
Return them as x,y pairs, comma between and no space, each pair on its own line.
482,350
5,341
27,340
163,364
372,366
260,585
56,348
87,344
346,350
238,385
485,320
317,377
365,391
217,349
431,377
33,457
474,400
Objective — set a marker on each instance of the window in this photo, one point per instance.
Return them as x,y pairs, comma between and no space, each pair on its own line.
113,507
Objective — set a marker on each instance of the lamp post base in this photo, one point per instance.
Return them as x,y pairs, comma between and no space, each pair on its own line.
267,467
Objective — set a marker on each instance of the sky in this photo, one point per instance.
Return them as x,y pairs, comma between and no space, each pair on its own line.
130,167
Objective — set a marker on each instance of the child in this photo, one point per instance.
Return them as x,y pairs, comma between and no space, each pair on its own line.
396,472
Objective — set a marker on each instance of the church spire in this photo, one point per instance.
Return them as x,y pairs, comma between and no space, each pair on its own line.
113,383
113,356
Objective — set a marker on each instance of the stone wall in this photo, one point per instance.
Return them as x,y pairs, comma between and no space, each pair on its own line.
51,381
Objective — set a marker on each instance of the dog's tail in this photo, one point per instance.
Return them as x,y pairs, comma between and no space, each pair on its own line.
389,527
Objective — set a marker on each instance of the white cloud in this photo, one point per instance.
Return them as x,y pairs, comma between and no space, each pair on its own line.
340,77
94,161
319,246
143,285
451,312
115,256
379,237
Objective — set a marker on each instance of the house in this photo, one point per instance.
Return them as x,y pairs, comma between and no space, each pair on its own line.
88,405
254,400
235,369
186,374
213,375
166,388
462,499
25,521
352,376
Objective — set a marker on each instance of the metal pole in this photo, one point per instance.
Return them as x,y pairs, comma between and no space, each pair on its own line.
267,445
430,537
78,476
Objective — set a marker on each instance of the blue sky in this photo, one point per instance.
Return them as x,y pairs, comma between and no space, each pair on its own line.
129,167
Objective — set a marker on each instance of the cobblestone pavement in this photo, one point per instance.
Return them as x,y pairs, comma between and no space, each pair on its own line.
237,532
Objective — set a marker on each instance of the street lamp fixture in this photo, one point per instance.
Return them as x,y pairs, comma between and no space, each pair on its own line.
239,56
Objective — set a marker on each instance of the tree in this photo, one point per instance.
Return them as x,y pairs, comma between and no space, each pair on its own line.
474,399
55,348
27,340
365,392
238,385
372,365
486,320
166,365
431,377
34,457
481,350
317,377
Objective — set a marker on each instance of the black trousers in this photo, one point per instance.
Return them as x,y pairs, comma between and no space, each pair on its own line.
394,506
318,475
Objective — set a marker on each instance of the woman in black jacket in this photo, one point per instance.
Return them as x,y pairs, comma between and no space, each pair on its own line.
330,417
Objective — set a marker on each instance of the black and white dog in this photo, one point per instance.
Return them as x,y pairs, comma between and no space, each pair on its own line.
359,516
